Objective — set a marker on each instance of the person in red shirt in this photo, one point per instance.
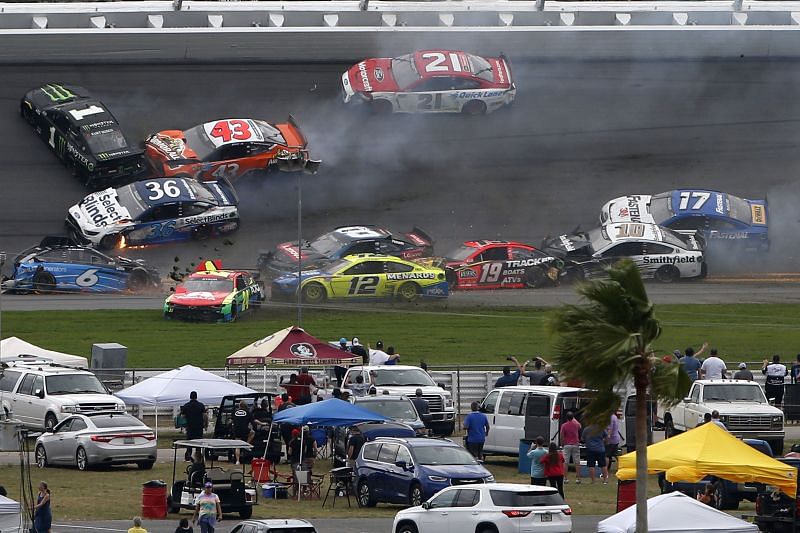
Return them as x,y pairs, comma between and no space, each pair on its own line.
571,441
305,387
554,467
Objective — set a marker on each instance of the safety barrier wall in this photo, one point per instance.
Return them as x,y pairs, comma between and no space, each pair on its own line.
341,31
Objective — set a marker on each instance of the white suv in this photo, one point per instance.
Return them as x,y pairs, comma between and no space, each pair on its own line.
40,395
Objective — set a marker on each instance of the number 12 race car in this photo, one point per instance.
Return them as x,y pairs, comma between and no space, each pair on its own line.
431,81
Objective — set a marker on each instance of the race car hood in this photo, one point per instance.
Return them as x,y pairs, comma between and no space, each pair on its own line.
565,244
631,208
100,209
372,75
501,71
171,145
201,298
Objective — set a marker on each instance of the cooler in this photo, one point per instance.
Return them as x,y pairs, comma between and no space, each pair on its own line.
524,460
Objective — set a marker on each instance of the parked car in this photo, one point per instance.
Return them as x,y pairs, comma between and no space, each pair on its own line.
370,431
96,439
275,525
409,471
495,508
398,408
777,512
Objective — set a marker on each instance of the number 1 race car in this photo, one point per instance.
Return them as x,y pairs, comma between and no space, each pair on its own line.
59,264
229,148
719,216
211,293
660,253
82,132
431,81
155,211
344,241
364,277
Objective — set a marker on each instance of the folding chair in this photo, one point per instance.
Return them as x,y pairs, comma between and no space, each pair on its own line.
320,436
307,485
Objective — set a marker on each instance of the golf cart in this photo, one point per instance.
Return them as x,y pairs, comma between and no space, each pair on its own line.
229,483
223,425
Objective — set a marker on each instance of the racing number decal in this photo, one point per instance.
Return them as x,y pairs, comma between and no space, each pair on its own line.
363,285
430,101
438,58
52,141
491,273
80,114
359,232
231,129
88,278
700,198
170,189
162,231
630,230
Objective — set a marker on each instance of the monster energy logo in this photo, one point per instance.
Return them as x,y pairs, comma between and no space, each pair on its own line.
61,145
57,93
102,157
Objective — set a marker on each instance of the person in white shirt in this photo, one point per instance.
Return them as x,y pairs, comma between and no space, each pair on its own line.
775,372
379,357
713,367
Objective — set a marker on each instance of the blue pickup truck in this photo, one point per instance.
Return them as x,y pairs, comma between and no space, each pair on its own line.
727,494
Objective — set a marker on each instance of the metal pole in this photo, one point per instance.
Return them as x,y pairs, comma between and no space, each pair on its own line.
299,247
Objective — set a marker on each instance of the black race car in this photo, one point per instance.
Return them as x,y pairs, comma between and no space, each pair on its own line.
344,241
83,133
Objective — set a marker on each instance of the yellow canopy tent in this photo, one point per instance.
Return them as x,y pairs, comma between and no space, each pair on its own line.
710,450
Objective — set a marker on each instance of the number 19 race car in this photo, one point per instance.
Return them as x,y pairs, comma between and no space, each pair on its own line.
431,81
155,211
58,264
82,132
229,148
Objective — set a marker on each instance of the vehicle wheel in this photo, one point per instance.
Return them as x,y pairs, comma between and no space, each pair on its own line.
81,460
138,280
487,529
667,274
406,527
574,274
777,447
44,281
41,457
171,507
669,429
201,233
381,107
174,499
145,465
722,499
452,280
234,312
365,498
25,112
415,495
408,292
50,421
109,242
474,107
535,278
703,270
246,512
314,293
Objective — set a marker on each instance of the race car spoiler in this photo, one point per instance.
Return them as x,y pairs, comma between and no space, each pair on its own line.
293,163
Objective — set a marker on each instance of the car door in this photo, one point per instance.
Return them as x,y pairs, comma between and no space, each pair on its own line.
363,280
437,517
57,445
488,407
692,413
93,271
538,419
402,477
491,265
22,403
509,421
386,488
464,512
38,405
429,95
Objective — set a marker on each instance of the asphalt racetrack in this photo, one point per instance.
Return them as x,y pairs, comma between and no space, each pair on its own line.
577,135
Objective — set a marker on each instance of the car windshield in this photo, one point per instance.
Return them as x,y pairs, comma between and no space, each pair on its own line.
208,285
409,377
198,141
74,383
598,239
327,244
734,393
116,421
396,409
481,68
740,209
443,455
128,197
504,498
660,207
404,71
107,141
336,266
461,253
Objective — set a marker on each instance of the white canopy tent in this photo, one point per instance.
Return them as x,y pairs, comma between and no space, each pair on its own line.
11,520
675,513
16,349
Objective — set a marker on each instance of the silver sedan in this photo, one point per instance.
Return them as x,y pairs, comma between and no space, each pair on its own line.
96,439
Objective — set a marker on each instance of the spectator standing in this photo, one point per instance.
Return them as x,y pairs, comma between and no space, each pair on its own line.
509,379
713,367
359,388
595,439
690,363
537,374
571,441
195,414
612,440
707,495
553,463
776,373
285,402
549,377
338,370
184,527
535,454
137,526
743,373
42,514
241,427
306,387
394,358
207,510
422,407
354,444
477,426
379,357
796,371
357,349
715,420
293,388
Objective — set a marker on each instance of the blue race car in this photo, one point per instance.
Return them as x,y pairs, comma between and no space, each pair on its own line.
719,216
58,264
155,211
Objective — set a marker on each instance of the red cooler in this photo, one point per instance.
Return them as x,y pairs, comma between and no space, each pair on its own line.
154,499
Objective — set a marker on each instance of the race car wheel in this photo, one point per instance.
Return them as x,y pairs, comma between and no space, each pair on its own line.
408,292
201,233
703,270
314,293
667,274
381,107
452,280
138,280
44,281
109,242
234,312
536,278
474,107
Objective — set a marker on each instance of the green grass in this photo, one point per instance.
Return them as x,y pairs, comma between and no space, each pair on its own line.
742,332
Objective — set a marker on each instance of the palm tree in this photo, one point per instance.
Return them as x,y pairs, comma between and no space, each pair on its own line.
607,341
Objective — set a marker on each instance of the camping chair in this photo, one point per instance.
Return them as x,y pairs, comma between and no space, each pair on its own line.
320,436
307,485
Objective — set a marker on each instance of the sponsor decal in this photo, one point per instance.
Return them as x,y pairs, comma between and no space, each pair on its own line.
110,155
57,93
410,275
303,349
566,243
202,295
516,263
434,291
670,259
228,227
207,219
733,235
479,94
467,273
411,254
78,156
631,211
98,124
511,279
758,213
101,132
172,147
720,205
515,272
362,70
103,208
501,78
378,73
290,250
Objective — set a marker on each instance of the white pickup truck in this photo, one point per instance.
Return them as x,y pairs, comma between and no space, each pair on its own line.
742,406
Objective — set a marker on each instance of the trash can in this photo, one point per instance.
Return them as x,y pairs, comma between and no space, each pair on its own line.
626,494
154,499
524,460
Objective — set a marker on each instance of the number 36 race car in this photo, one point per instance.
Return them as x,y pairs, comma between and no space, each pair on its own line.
431,81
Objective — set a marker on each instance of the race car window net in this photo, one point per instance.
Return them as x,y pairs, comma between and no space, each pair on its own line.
598,239
106,142
404,70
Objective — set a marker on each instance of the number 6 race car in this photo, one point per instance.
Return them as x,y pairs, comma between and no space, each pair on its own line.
229,148
431,81
155,211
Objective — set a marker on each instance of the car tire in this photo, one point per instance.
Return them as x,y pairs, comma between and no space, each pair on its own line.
202,232
381,107
109,242
474,107
669,429
364,494
667,274
145,465
408,292
452,279
722,499
776,446
138,280
487,529
314,293
43,282
26,114
50,421
234,312
536,278
415,495
245,512
81,459
41,456
406,527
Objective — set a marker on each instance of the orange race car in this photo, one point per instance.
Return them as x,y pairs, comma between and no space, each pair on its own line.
229,148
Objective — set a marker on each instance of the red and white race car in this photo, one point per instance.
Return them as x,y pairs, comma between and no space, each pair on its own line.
431,81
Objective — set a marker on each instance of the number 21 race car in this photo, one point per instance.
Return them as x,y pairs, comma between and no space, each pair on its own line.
431,81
